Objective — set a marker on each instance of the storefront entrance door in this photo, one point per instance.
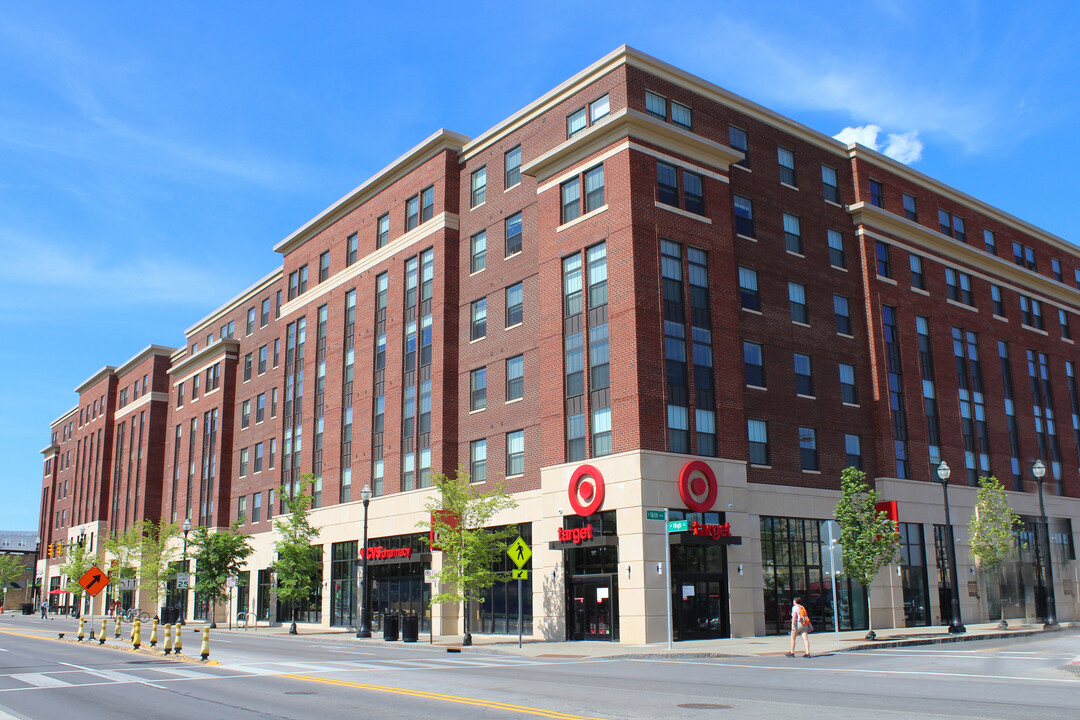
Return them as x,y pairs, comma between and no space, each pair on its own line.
699,606
593,609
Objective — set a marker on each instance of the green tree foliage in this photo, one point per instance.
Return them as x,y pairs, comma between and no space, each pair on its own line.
79,562
218,556
12,568
869,538
297,566
158,550
470,549
125,549
993,527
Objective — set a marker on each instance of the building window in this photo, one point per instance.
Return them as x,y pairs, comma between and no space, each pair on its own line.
678,428
959,285
786,159
804,379
250,327
247,367
427,203
989,242
877,194
757,432
382,231
512,163
324,266
576,122
479,187
792,234
748,289
515,453
797,300
245,414
478,389
843,315
599,108
513,234
243,472
594,188
737,140
1055,267
744,216
412,212
179,395
753,364
852,451
836,249
828,181
515,301
256,502
1024,256
292,285
277,351
571,199
515,378
917,279
848,394
262,360
999,304
478,328
667,179
478,460
681,115
656,104
884,265
351,247
910,208
260,408
808,455
951,225
1063,320
478,254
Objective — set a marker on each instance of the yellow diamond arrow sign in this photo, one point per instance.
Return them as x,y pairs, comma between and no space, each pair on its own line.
519,552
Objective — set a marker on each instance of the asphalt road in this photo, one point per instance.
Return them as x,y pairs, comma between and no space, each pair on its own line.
273,676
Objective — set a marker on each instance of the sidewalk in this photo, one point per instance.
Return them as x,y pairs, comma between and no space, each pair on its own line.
820,642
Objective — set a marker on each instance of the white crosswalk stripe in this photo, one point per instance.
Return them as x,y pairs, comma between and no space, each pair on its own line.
40,680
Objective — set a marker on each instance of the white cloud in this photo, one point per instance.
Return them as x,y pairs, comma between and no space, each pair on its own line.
902,147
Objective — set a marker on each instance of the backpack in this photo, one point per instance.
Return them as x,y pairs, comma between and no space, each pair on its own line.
804,620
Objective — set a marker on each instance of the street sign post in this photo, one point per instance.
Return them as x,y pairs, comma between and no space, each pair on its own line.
183,581
129,583
94,581
832,550
678,526
520,553
654,514
672,526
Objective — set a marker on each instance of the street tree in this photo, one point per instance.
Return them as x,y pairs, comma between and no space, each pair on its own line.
460,517
79,561
218,556
870,540
125,547
12,568
158,551
993,531
298,564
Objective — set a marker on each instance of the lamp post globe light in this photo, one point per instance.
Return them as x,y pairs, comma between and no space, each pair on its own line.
363,629
1046,571
183,597
956,625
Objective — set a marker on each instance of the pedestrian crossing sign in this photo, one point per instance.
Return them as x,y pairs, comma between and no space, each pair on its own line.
519,552
520,574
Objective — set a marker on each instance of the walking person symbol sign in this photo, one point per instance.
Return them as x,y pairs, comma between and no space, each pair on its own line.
520,553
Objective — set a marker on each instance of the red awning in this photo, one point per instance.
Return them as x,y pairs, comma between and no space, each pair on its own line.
57,591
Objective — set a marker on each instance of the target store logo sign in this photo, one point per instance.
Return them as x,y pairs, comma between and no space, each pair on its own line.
697,486
586,490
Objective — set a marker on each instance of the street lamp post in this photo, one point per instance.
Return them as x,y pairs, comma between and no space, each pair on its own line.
183,598
363,629
956,626
1046,572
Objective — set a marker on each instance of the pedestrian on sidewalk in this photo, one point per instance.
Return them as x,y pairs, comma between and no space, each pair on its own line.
800,625
44,609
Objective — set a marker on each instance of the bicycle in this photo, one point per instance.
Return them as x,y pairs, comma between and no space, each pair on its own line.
132,614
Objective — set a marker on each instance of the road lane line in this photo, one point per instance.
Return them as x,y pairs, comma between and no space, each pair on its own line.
40,680
493,704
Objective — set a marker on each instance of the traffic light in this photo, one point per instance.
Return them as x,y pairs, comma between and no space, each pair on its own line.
50,549
59,548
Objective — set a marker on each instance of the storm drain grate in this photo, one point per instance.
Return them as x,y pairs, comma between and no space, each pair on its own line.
705,706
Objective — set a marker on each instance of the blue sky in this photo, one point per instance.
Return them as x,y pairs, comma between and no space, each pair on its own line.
151,155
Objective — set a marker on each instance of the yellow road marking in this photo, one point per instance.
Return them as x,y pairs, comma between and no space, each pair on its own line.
444,698
36,637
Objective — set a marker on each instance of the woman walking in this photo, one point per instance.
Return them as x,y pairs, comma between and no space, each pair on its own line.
800,625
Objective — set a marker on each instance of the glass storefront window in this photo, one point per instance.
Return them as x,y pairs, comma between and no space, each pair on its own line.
343,579
498,613
913,577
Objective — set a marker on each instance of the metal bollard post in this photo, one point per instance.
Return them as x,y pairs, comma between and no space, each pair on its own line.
81,633
136,633
168,639
204,651
104,626
116,627
178,644
153,634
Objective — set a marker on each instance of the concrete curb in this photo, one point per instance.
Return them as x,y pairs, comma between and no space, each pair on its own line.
964,637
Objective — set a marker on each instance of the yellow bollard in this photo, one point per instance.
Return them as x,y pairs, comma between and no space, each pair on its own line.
168,639
104,629
136,633
204,651
116,627
153,634
178,645
81,633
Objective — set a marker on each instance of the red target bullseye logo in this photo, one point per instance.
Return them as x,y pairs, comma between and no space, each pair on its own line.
586,490
697,486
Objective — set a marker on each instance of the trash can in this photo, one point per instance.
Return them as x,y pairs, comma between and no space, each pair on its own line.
27,608
169,615
390,626
410,627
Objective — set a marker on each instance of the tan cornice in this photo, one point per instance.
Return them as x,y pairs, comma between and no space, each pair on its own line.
256,289
148,351
179,370
442,140
630,123
872,216
50,450
64,417
863,153
95,378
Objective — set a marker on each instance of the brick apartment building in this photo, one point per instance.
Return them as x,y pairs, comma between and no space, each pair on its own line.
639,292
